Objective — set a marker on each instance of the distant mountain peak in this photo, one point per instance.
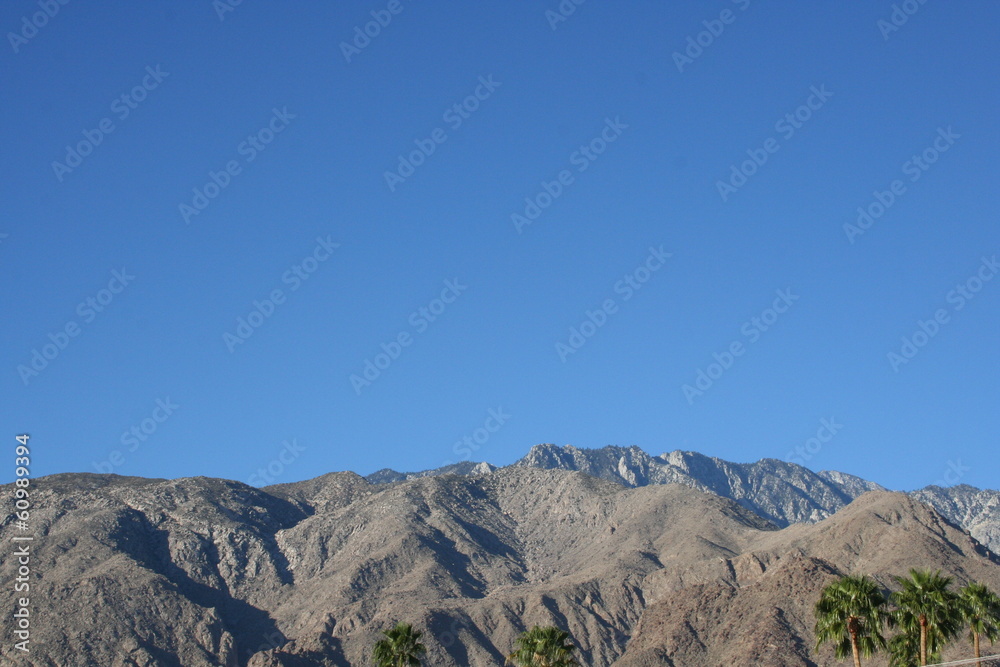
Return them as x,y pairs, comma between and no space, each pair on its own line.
780,491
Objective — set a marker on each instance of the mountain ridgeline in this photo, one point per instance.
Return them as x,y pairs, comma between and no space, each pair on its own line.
782,492
679,560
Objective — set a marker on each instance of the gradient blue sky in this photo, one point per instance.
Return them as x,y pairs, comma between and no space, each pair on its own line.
495,345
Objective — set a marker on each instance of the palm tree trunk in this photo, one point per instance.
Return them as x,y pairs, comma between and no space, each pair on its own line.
923,640
975,644
855,651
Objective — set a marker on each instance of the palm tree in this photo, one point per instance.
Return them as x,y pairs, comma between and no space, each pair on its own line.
851,613
400,648
981,611
904,650
928,609
543,647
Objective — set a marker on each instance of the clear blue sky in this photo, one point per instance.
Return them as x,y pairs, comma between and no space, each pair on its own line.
267,92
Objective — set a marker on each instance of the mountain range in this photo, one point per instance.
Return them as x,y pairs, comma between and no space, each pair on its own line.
678,559
783,492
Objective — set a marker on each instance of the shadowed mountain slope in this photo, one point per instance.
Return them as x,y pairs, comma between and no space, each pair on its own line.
211,572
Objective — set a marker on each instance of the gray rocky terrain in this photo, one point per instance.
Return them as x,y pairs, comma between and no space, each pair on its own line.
721,567
782,492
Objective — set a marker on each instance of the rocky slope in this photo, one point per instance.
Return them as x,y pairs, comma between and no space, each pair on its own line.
198,572
782,492
976,510
785,493
758,608
388,476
